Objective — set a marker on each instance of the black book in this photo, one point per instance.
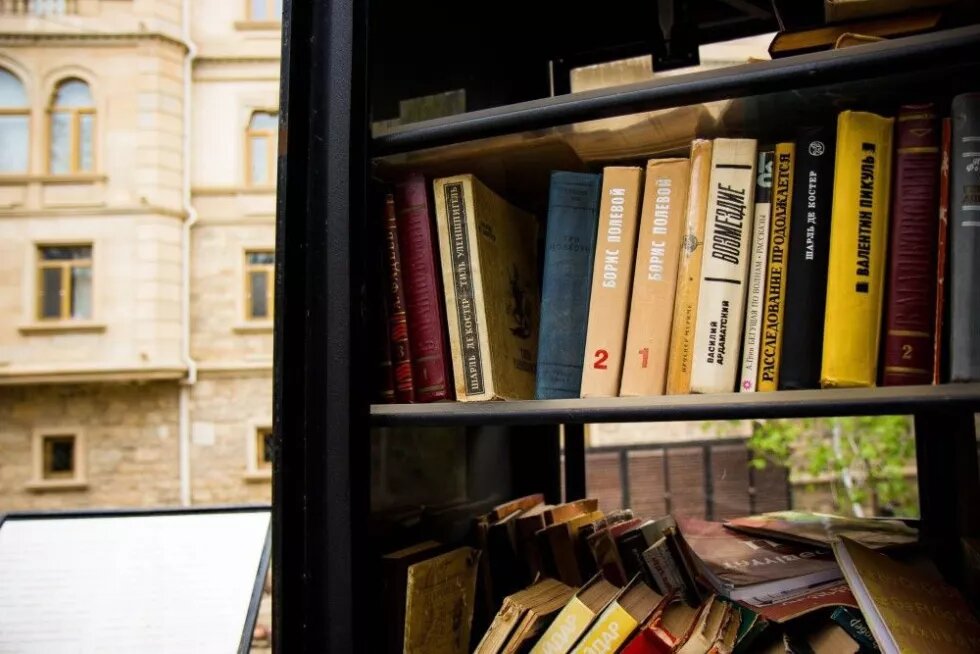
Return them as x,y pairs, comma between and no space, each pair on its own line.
809,248
964,237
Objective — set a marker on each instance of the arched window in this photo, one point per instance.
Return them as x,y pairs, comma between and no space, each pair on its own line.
71,132
14,124
261,141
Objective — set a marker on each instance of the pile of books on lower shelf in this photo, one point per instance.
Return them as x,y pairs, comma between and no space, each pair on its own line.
570,578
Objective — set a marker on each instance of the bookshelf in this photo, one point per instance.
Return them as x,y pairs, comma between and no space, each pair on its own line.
322,545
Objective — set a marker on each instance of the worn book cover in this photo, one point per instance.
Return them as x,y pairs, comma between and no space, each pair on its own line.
777,269
572,621
821,529
536,620
749,374
515,608
964,217
394,578
858,242
439,603
689,272
618,621
401,351
655,277
490,277
716,629
940,346
724,272
612,276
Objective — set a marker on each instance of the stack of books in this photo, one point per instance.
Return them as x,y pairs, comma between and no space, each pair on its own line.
820,261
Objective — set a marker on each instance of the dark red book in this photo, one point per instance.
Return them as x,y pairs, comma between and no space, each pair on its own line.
385,381
937,348
910,307
401,353
426,315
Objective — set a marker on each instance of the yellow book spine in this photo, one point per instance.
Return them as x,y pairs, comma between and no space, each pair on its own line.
689,273
571,622
610,630
775,298
858,241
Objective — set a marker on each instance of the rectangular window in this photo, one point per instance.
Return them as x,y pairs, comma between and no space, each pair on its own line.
64,282
58,457
259,272
263,448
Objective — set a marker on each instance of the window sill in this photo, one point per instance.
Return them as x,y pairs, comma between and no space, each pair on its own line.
256,327
253,25
258,476
62,327
78,178
56,485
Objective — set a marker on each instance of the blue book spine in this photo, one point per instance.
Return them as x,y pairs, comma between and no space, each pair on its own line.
573,216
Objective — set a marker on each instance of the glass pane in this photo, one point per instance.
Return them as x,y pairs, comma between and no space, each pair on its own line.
13,144
264,120
66,253
11,91
257,285
51,293
62,455
258,10
261,257
85,159
81,292
73,93
266,446
259,174
60,143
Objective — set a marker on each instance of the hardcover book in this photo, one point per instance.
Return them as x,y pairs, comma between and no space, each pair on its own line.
725,269
757,274
964,328
515,609
618,621
940,349
401,353
806,286
689,272
655,277
490,277
910,305
667,629
858,238
612,275
535,621
394,577
439,603
573,214
576,617
776,272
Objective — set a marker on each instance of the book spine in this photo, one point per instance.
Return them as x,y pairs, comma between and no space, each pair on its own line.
911,283
401,352
462,285
853,623
777,270
655,277
612,274
382,342
725,269
757,273
808,251
661,567
631,547
964,328
689,272
858,238
426,315
942,260
573,213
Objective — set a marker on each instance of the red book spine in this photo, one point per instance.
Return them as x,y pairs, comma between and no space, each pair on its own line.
382,344
937,349
910,306
426,316
401,353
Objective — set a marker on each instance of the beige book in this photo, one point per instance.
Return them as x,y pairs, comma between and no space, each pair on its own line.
439,603
544,594
689,272
655,277
488,252
612,276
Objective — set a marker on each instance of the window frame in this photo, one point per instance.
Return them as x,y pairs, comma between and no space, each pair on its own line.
257,470
270,292
75,131
78,480
271,155
25,112
40,264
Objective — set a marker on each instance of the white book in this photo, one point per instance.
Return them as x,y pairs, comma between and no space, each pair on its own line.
724,272
757,274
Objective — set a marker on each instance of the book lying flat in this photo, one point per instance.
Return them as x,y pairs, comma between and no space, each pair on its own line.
834,594
821,529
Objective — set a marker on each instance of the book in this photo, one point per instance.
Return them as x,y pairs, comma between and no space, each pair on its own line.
423,305
515,609
821,529
724,271
655,277
911,283
569,251
572,621
612,274
619,620
535,621
689,272
858,239
501,566
906,610
777,270
562,545
758,571
716,629
819,598
757,274
820,638
401,353
667,629
394,578
939,348
853,623
789,43
490,278
605,550
964,217
528,523
439,602
807,256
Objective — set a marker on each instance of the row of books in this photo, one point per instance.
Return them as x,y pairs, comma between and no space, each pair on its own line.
803,265
784,582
